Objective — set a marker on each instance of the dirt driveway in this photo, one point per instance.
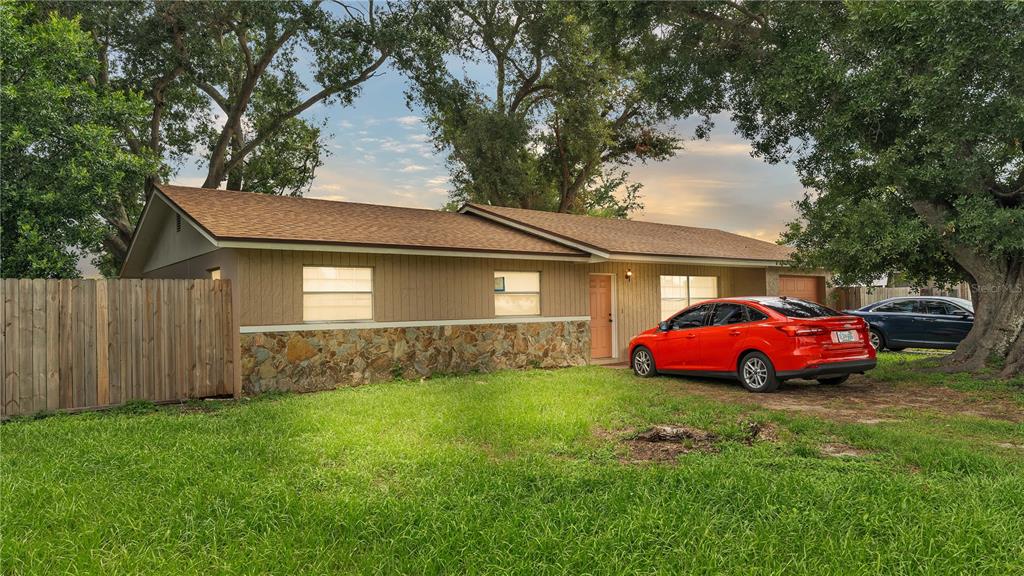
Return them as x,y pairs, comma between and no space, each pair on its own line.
861,399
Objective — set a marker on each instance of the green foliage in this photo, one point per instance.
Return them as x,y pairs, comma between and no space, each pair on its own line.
907,114
904,119
511,473
64,159
221,81
563,114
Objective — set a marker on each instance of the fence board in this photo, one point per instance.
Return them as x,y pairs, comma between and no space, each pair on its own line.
102,350
73,344
66,350
11,346
52,344
25,340
38,344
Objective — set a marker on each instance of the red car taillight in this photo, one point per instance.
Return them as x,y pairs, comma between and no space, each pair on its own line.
798,330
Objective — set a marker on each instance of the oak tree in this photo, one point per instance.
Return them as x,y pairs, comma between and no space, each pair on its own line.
533,108
229,82
906,123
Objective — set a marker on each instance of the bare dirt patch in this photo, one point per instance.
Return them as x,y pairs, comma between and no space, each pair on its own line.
1010,445
860,399
665,442
840,450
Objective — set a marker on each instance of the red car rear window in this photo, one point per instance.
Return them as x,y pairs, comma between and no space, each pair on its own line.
792,308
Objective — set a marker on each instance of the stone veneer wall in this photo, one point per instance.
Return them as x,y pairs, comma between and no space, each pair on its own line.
325,359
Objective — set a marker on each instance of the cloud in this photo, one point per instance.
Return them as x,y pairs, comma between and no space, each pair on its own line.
413,168
196,181
706,148
409,121
332,197
322,186
766,234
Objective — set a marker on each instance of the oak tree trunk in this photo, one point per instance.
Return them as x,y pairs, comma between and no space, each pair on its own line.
998,324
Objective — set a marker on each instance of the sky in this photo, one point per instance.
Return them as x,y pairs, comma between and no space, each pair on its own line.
380,153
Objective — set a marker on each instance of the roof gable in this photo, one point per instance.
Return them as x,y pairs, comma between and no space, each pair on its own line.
163,237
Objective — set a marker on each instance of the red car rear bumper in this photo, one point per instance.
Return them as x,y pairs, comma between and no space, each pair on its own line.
830,369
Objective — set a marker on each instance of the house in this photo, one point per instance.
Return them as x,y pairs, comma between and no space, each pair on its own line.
327,293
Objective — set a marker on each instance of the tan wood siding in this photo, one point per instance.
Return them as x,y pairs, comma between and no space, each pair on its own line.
405,287
638,302
410,288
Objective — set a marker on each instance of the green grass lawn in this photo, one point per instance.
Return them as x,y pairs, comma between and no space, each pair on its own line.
516,472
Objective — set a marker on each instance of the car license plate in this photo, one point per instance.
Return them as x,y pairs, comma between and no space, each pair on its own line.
846,336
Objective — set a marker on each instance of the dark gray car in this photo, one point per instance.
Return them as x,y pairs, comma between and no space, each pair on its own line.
918,322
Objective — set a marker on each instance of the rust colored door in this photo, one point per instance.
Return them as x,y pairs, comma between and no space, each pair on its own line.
810,288
600,316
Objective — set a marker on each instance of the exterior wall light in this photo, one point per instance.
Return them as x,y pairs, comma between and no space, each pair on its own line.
629,274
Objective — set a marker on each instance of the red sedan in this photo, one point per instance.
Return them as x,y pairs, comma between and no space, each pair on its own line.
761,340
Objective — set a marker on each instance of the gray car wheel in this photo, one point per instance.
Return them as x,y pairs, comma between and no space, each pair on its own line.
643,363
876,340
757,374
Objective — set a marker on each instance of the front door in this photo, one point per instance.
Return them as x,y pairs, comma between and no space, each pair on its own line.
720,340
600,316
678,348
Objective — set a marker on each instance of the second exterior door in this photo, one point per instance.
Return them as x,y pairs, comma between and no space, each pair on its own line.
600,316
810,288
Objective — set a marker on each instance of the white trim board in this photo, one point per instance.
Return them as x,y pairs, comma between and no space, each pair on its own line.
315,326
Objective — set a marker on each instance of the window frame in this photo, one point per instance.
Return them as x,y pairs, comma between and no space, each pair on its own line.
495,293
373,275
688,301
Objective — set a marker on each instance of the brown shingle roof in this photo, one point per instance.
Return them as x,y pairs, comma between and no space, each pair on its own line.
633,237
228,215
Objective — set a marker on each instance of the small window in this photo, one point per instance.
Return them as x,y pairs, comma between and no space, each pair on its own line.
703,288
755,315
727,313
940,308
517,293
692,318
339,294
214,273
904,306
678,292
794,308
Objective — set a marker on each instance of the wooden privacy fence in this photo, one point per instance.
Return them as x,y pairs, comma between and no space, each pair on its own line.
853,297
73,344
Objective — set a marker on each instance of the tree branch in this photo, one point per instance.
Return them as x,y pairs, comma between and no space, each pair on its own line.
243,44
213,93
936,216
276,124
